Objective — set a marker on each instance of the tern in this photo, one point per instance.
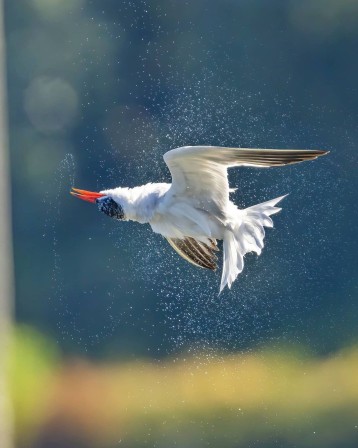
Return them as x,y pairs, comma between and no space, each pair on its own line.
195,210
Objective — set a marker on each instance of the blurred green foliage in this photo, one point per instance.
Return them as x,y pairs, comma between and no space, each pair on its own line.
267,398
32,364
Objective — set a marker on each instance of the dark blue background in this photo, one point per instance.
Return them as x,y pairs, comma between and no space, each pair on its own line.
100,91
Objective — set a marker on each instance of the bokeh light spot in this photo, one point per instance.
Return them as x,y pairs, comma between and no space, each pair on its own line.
55,9
51,104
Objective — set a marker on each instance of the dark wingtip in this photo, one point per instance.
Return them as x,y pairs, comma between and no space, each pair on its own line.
322,152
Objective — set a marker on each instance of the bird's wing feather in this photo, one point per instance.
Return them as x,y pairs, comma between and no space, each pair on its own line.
200,172
230,157
196,252
198,177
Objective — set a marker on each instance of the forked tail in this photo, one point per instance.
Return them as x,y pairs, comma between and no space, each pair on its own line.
247,236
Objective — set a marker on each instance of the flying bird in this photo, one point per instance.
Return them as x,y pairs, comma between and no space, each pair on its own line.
195,210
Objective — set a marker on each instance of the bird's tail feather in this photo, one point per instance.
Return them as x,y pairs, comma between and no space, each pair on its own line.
246,236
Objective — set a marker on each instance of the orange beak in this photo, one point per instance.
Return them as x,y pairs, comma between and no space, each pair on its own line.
89,196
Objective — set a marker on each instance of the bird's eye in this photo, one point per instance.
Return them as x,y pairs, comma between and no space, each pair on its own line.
110,207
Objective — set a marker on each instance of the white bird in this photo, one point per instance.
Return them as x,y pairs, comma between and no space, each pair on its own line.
195,210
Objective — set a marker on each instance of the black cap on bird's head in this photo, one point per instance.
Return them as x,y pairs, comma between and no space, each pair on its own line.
110,207
105,203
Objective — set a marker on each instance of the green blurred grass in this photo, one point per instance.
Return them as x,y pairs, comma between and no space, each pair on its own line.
33,360
267,398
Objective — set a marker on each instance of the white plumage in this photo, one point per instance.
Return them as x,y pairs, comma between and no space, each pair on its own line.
195,210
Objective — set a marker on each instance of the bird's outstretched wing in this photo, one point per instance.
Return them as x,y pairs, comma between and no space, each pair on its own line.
196,252
200,172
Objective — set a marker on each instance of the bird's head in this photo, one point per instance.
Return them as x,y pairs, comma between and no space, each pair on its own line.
106,204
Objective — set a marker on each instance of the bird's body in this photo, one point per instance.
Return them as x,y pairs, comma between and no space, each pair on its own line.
195,210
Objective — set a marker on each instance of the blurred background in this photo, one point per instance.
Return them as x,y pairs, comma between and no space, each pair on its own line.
116,340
